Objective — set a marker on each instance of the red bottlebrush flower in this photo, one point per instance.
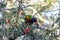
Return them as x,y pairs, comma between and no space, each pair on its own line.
27,30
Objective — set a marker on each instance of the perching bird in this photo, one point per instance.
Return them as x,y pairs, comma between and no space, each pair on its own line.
34,19
29,19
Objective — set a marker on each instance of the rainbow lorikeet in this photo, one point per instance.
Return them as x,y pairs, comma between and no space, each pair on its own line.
34,19
30,19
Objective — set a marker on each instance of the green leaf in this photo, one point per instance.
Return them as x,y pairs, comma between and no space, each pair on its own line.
48,1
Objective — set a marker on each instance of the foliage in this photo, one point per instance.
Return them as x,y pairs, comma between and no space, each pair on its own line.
15,21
